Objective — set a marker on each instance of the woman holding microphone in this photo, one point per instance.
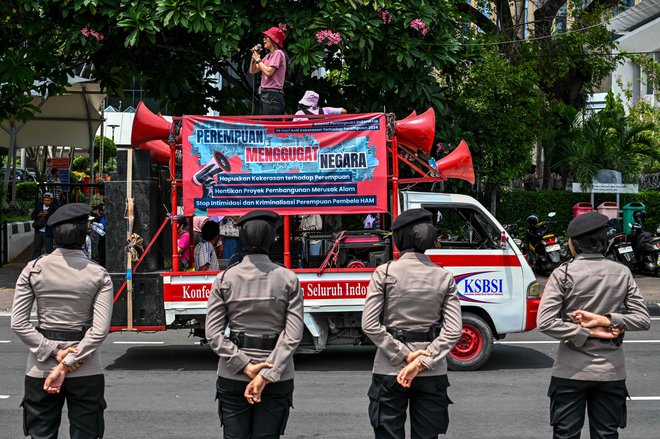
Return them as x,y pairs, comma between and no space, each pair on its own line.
273,71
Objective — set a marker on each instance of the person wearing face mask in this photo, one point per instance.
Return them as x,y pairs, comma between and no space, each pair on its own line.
73,298
273,71
262,304
413,316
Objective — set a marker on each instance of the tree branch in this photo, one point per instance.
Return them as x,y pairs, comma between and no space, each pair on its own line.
484,23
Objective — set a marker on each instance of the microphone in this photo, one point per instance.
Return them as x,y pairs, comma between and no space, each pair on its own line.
258,47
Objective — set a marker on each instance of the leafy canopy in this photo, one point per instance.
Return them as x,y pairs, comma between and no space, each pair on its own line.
383,59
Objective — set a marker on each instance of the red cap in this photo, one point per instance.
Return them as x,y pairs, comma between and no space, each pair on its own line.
276,34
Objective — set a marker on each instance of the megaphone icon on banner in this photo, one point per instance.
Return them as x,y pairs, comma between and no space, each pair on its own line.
205,177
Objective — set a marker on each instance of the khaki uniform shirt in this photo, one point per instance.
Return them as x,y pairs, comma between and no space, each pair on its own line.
418,293
256,297
597,285
71,292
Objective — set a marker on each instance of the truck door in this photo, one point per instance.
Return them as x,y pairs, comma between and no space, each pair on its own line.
489,276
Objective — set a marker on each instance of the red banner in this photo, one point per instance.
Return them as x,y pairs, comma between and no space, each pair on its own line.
317,289
232,165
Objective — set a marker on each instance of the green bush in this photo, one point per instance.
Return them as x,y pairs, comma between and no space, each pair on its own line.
80,164
27,191
513,207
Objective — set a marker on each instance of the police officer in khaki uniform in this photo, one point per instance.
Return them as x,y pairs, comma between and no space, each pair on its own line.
262,304
73,298
413,316
581,307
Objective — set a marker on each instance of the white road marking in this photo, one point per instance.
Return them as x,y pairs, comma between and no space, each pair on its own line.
655,318
138,342
5,341
645,398
553,342
4,396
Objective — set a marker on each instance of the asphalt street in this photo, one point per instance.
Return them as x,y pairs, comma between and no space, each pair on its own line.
162,386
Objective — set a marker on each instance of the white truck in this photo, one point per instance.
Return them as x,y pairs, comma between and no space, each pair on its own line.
498,291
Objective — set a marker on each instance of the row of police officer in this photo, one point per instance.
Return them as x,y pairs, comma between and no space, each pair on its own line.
412,314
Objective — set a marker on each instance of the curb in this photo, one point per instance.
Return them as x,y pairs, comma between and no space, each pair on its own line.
654,309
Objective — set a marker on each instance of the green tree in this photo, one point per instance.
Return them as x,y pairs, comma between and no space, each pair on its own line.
499,111
383,57
609,139
570,45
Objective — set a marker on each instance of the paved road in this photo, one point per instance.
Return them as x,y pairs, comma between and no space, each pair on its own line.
162,386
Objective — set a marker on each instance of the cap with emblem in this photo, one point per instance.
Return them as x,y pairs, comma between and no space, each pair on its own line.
70,213
586,223
264,215
412,216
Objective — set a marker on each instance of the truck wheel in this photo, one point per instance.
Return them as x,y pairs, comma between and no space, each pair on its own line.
475,345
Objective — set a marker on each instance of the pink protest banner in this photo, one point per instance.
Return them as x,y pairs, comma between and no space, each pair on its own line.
336,164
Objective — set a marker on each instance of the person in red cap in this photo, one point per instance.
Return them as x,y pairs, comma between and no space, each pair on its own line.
273,71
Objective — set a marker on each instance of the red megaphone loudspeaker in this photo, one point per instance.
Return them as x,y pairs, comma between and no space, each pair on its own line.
159,151
148,126
458,164
417,131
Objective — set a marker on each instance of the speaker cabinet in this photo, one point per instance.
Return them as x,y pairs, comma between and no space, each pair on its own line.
146,223
148,308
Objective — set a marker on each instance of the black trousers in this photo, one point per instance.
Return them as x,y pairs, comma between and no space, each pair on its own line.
42,411
41,240
266,419
427,399
272,102
605,402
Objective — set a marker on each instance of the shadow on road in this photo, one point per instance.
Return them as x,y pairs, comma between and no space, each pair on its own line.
517,357
351,358
189,358
345,358
169,357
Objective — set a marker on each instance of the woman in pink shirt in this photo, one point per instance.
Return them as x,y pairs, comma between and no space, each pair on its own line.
273,71
183,241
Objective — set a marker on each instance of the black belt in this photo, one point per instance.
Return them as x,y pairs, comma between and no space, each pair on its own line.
272,90
409,336
63,335
264,342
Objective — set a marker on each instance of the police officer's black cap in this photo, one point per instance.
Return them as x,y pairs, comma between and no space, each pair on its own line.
70,213
586,223
264,215
412,216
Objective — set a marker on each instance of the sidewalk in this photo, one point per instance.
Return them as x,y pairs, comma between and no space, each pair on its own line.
649,286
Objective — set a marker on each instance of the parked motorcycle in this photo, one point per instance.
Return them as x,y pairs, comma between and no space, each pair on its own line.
645,246
543,247
618,247
512,230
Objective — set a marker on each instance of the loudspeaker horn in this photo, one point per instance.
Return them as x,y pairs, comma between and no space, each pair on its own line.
159,151
417,131
458,164
148,126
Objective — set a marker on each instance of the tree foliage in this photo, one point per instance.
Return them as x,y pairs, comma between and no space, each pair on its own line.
175,47
609,139
564,66
498,108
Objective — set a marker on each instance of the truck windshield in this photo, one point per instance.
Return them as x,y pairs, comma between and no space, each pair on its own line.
463,227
